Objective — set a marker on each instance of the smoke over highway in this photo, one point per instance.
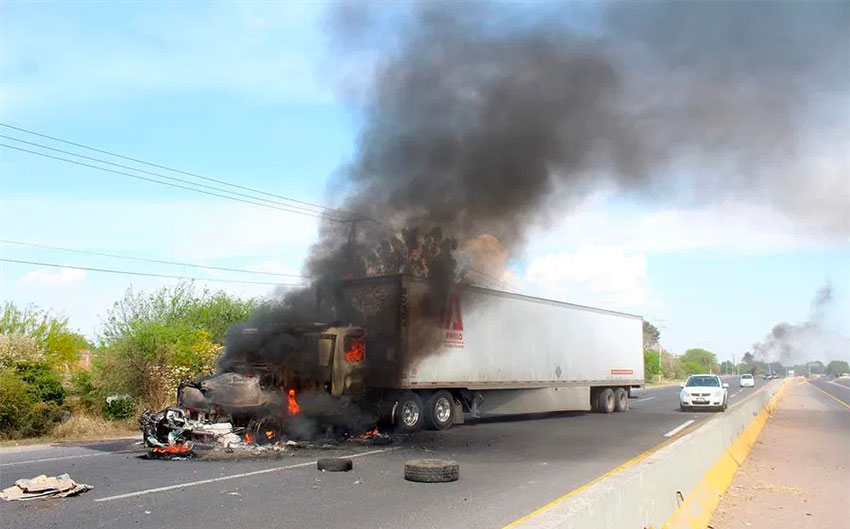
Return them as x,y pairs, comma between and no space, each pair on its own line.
478,122
484,120
794,343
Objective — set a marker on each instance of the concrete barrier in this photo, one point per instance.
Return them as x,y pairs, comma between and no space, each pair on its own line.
675,487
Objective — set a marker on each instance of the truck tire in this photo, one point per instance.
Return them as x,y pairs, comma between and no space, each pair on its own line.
335,464
431,470
605,401
621,400
438,410
409,413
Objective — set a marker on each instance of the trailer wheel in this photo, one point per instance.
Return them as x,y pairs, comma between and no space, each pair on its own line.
621,400
409,413
438,410
606,402
431,470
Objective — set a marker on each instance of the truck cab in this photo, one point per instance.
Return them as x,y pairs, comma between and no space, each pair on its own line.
341,361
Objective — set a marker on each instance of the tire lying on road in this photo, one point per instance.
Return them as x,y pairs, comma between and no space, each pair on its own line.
335,464
431,470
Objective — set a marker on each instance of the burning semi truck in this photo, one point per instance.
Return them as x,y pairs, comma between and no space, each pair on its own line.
403,354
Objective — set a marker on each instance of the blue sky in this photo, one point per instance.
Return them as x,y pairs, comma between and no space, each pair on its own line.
249,93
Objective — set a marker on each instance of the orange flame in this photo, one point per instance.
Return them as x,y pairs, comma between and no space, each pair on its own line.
269,434
371,433
249,437
356,350
292,404
172,449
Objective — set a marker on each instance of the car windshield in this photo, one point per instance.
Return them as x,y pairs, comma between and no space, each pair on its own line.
746,376
703,381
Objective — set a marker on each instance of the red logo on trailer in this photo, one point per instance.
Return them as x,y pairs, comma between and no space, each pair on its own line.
453,323
622,372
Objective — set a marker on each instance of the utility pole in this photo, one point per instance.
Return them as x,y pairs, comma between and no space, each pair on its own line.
352,235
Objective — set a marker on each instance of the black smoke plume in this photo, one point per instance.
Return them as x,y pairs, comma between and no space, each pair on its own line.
794,343
480,121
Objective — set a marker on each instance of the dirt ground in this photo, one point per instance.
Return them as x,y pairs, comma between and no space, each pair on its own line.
798,473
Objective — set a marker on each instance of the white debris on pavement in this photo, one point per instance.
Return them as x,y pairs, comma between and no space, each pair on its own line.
42,486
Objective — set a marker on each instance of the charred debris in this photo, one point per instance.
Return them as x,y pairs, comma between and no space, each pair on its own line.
269,394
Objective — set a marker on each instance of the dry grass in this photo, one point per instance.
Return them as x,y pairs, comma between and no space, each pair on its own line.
83,426
664,382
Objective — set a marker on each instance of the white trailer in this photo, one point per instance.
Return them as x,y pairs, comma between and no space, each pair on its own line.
431,355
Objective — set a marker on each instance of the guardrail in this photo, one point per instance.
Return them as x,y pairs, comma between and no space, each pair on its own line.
678,486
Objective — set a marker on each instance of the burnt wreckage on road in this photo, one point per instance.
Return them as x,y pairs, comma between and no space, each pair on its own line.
409,355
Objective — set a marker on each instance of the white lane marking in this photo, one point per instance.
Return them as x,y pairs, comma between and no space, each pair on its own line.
679,428
232,476
646,399
837,384
733,395
53,459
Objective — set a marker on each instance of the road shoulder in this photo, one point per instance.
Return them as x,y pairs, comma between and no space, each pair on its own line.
798,473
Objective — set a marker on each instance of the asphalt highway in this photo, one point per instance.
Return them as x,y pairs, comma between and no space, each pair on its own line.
837,388
508,468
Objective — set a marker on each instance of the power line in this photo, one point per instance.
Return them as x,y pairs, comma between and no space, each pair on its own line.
289,207
273,205
159,166
146,274
83,164
158,261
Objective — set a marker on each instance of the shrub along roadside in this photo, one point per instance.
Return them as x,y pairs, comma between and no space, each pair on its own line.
22,413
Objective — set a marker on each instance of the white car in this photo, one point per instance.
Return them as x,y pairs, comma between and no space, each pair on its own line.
747,381
703,391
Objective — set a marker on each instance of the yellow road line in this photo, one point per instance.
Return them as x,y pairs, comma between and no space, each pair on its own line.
630,463
833,397
698,507
627,464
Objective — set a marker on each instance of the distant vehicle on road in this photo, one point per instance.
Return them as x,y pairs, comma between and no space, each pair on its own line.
844,375
704,391
747,381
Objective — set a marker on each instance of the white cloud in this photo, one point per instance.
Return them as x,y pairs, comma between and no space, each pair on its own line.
597,254
598,275
61,276
733,226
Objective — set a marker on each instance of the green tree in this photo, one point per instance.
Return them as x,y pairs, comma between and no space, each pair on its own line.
17,348
60,345
651,363
837,367
153,341
699,361
671,367
651,336
22,414
727,367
